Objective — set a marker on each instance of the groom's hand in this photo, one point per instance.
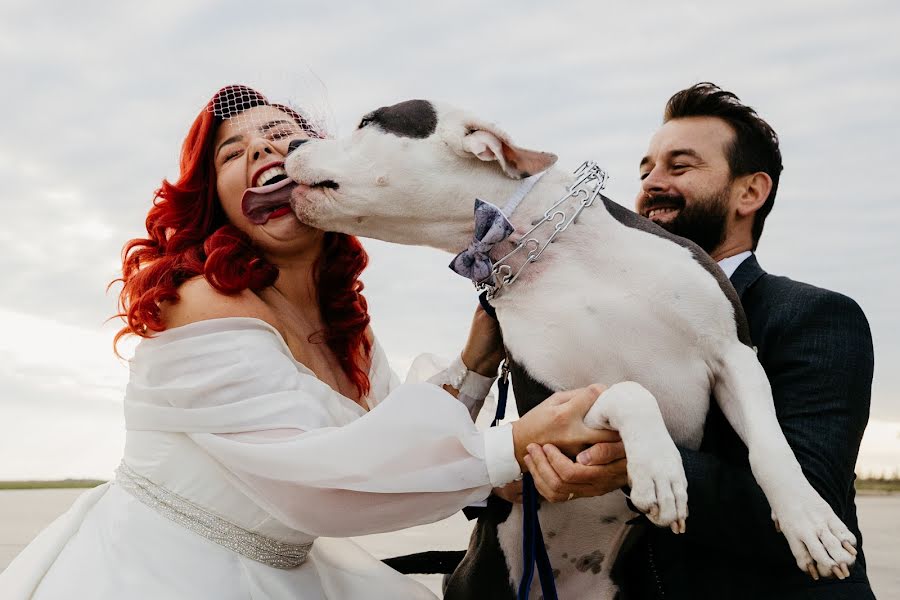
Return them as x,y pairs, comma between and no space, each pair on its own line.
559,420
558,478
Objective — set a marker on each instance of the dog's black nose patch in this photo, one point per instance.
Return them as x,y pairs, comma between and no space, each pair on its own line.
296,144
412,119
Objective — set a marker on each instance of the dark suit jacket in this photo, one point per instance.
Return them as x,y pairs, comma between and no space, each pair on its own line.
816,349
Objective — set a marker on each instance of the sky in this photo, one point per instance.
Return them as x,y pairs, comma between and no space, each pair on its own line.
99,95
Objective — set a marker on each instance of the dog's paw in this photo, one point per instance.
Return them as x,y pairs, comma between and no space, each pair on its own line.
658,484
820,542
655,472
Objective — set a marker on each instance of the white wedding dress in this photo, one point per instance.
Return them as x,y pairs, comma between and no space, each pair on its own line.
237,459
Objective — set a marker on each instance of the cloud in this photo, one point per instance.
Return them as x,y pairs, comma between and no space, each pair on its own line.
60,399
100,96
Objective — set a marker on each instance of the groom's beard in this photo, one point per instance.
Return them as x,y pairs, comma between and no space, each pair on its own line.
703,221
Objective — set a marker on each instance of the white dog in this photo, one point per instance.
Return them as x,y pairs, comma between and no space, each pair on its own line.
615,299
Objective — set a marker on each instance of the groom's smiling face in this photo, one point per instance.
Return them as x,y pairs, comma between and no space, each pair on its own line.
686,182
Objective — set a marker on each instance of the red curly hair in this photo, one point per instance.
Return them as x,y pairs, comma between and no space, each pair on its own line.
189,235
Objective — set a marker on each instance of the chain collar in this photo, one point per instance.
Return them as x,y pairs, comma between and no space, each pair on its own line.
590,181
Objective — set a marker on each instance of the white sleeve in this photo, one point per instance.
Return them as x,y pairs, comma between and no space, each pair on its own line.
474,391
307,455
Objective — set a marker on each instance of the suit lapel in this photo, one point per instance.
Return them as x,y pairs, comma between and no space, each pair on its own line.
746,275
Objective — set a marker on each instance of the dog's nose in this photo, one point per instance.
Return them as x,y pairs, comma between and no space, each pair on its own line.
296,144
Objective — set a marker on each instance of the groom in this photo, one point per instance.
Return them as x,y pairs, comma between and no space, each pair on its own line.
710,175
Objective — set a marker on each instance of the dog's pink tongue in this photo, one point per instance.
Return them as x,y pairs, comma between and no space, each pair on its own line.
259,202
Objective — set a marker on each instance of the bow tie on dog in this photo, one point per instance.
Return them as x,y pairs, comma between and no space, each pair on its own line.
491,228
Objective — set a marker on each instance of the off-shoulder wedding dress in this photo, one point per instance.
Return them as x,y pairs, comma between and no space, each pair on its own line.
237,460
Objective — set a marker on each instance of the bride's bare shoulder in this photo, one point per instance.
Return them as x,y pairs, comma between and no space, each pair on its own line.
200,301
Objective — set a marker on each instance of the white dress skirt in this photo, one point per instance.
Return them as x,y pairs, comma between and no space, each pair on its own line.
242,472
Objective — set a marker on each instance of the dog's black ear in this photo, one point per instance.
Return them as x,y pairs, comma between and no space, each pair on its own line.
489,144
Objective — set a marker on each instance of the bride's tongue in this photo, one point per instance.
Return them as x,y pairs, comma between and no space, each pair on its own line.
269,201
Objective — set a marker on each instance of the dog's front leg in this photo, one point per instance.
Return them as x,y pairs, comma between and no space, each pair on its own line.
817,537
655,473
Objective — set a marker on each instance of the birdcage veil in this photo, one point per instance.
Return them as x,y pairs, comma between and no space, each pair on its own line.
302,95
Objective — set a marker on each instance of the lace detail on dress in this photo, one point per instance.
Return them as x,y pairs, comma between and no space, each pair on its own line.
268,551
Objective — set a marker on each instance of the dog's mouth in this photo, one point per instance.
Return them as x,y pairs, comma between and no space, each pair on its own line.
301,193
309,199
328,184
270,196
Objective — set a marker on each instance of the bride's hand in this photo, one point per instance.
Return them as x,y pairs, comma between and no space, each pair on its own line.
559,420
484,349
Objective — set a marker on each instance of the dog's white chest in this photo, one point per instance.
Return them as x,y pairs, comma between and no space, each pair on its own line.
582,538
605,317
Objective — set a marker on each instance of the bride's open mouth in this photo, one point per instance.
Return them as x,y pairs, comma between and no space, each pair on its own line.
270,196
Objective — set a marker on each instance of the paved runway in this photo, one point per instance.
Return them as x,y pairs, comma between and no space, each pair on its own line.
23,513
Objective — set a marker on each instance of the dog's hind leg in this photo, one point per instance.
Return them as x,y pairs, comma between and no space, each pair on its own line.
655,473
817,537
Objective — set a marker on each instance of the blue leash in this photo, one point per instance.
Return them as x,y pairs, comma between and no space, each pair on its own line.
533,549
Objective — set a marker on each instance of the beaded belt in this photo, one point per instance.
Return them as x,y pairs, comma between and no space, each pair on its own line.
274,553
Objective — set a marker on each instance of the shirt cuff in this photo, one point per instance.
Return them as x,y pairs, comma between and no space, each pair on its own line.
473,387
470,383
500,456
476,385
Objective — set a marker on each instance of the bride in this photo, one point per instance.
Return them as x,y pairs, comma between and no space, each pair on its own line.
261,412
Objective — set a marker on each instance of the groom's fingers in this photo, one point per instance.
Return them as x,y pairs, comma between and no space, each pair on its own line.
587,481
543,488
568,471
546,480
602,453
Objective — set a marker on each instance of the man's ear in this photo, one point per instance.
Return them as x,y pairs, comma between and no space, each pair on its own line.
489,144
754,194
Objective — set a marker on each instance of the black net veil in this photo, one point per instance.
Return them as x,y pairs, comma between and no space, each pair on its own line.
232,103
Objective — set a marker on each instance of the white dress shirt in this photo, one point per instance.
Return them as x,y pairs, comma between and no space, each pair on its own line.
729,265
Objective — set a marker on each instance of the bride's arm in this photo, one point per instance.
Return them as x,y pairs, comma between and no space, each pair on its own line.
295,446
305,453
415,458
